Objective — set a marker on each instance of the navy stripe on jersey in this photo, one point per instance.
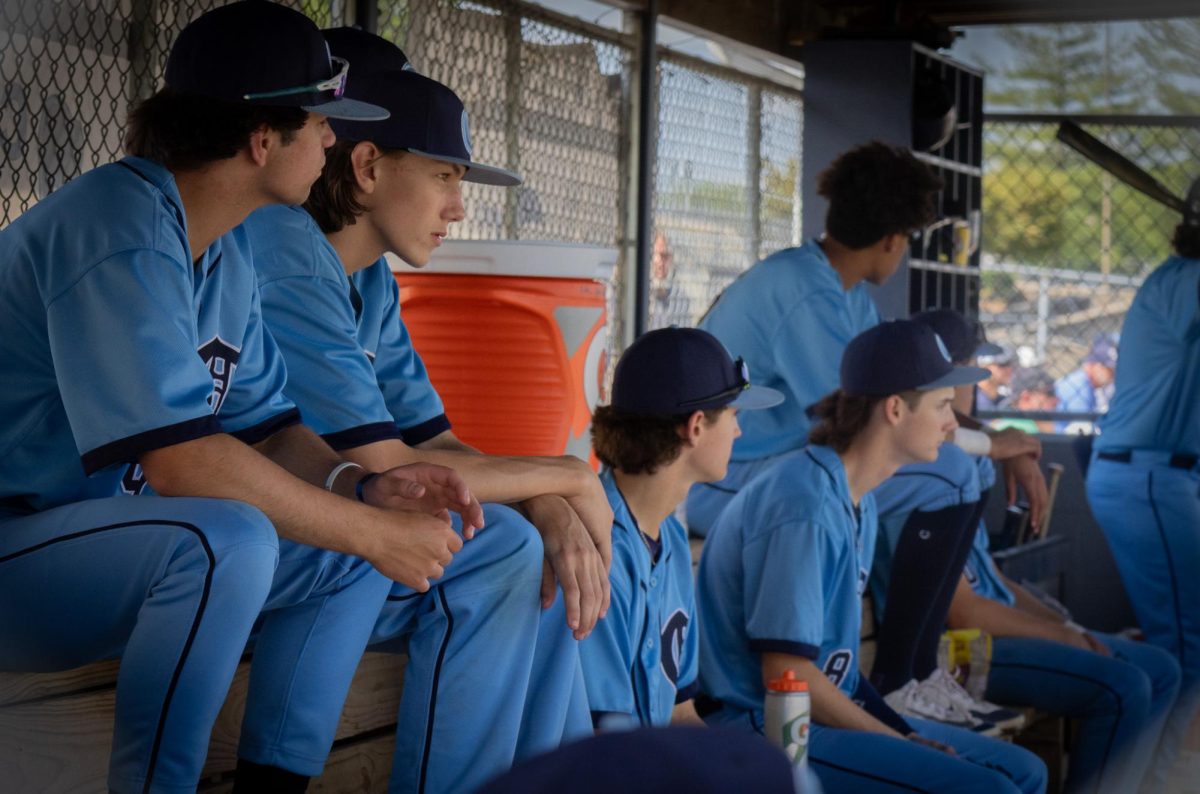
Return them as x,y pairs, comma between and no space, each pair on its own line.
268,427
362,435
688,692
195,627
786,646
418,434
129,449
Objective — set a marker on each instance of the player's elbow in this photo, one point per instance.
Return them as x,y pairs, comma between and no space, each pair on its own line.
172,470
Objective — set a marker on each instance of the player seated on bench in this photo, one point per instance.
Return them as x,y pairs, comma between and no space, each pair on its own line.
783,571
671,423
490,678
1120,691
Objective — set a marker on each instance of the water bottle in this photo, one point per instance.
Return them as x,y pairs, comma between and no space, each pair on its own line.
786,716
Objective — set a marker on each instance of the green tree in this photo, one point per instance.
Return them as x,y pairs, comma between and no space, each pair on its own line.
1170,50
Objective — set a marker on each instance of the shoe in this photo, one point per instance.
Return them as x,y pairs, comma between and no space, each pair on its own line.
928,703
942,682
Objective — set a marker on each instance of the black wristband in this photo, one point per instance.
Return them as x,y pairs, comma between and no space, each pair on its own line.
362,483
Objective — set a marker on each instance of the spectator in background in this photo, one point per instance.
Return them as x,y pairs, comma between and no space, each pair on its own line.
1090,387
669,304
1032,390
995,392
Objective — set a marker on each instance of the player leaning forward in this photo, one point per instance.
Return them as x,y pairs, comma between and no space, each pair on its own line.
136,363
781,579
489,679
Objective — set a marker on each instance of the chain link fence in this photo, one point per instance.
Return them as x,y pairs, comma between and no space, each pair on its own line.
1066,246
727,183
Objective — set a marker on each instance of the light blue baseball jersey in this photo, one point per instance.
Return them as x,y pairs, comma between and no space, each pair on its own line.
952,479
122,343
1156,404
783,570
1075,393
352,367
790,318
642,658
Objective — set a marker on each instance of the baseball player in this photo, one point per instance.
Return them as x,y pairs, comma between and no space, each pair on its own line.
783,571
156,490
1143,483
793,313
672,422
332,305
1119,691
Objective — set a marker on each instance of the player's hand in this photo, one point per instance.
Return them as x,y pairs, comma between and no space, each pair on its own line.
1011,442
440,490
927,742
572,562
592,507
410,547
1024,471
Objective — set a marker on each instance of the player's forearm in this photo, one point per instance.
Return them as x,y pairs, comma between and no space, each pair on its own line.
222,467
491,478
1032,606
830,706
685,714
969,610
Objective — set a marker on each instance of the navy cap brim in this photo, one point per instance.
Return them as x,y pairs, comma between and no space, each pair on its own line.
350,109
988,349
959,376
757,397
477,172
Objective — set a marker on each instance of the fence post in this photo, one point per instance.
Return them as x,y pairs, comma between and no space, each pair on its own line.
754,169
1043,315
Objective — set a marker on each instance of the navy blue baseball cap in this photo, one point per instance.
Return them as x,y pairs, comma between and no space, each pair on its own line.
427,119
1104,350
260,53
899,356
366,52
675,371
964,338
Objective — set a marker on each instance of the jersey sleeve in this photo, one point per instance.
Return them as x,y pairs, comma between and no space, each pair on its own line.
784,582
122,339
410,397
255,408
330,376
607,654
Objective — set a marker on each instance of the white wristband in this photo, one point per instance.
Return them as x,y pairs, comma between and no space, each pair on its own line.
973,442
338,469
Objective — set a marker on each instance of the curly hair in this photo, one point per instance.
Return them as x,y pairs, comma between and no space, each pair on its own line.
184,132
841,418
639,444
1187,241
875,190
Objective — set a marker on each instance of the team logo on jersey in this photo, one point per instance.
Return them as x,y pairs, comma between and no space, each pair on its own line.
673,632
133,481
837,666
221,358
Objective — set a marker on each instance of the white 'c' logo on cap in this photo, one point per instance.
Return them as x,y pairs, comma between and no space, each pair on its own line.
466,133
942,348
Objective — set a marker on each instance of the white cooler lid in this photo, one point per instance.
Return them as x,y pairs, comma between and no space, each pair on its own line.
517,258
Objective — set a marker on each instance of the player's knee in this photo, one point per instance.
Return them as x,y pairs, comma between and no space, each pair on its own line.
1126,693
1025,770
516,542
227,523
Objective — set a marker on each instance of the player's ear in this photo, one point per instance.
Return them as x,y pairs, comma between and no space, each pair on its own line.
364,160
260,144
893,409
894,242
693,427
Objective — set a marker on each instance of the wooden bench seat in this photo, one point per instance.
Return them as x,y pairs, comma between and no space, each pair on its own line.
56,729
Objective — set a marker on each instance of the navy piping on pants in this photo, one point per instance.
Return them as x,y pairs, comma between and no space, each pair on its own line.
187,646
1170,568
437,672
1112,734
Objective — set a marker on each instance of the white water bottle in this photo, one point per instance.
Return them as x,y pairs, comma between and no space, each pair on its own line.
786,716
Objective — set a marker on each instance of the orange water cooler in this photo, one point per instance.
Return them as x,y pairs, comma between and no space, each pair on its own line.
514,337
